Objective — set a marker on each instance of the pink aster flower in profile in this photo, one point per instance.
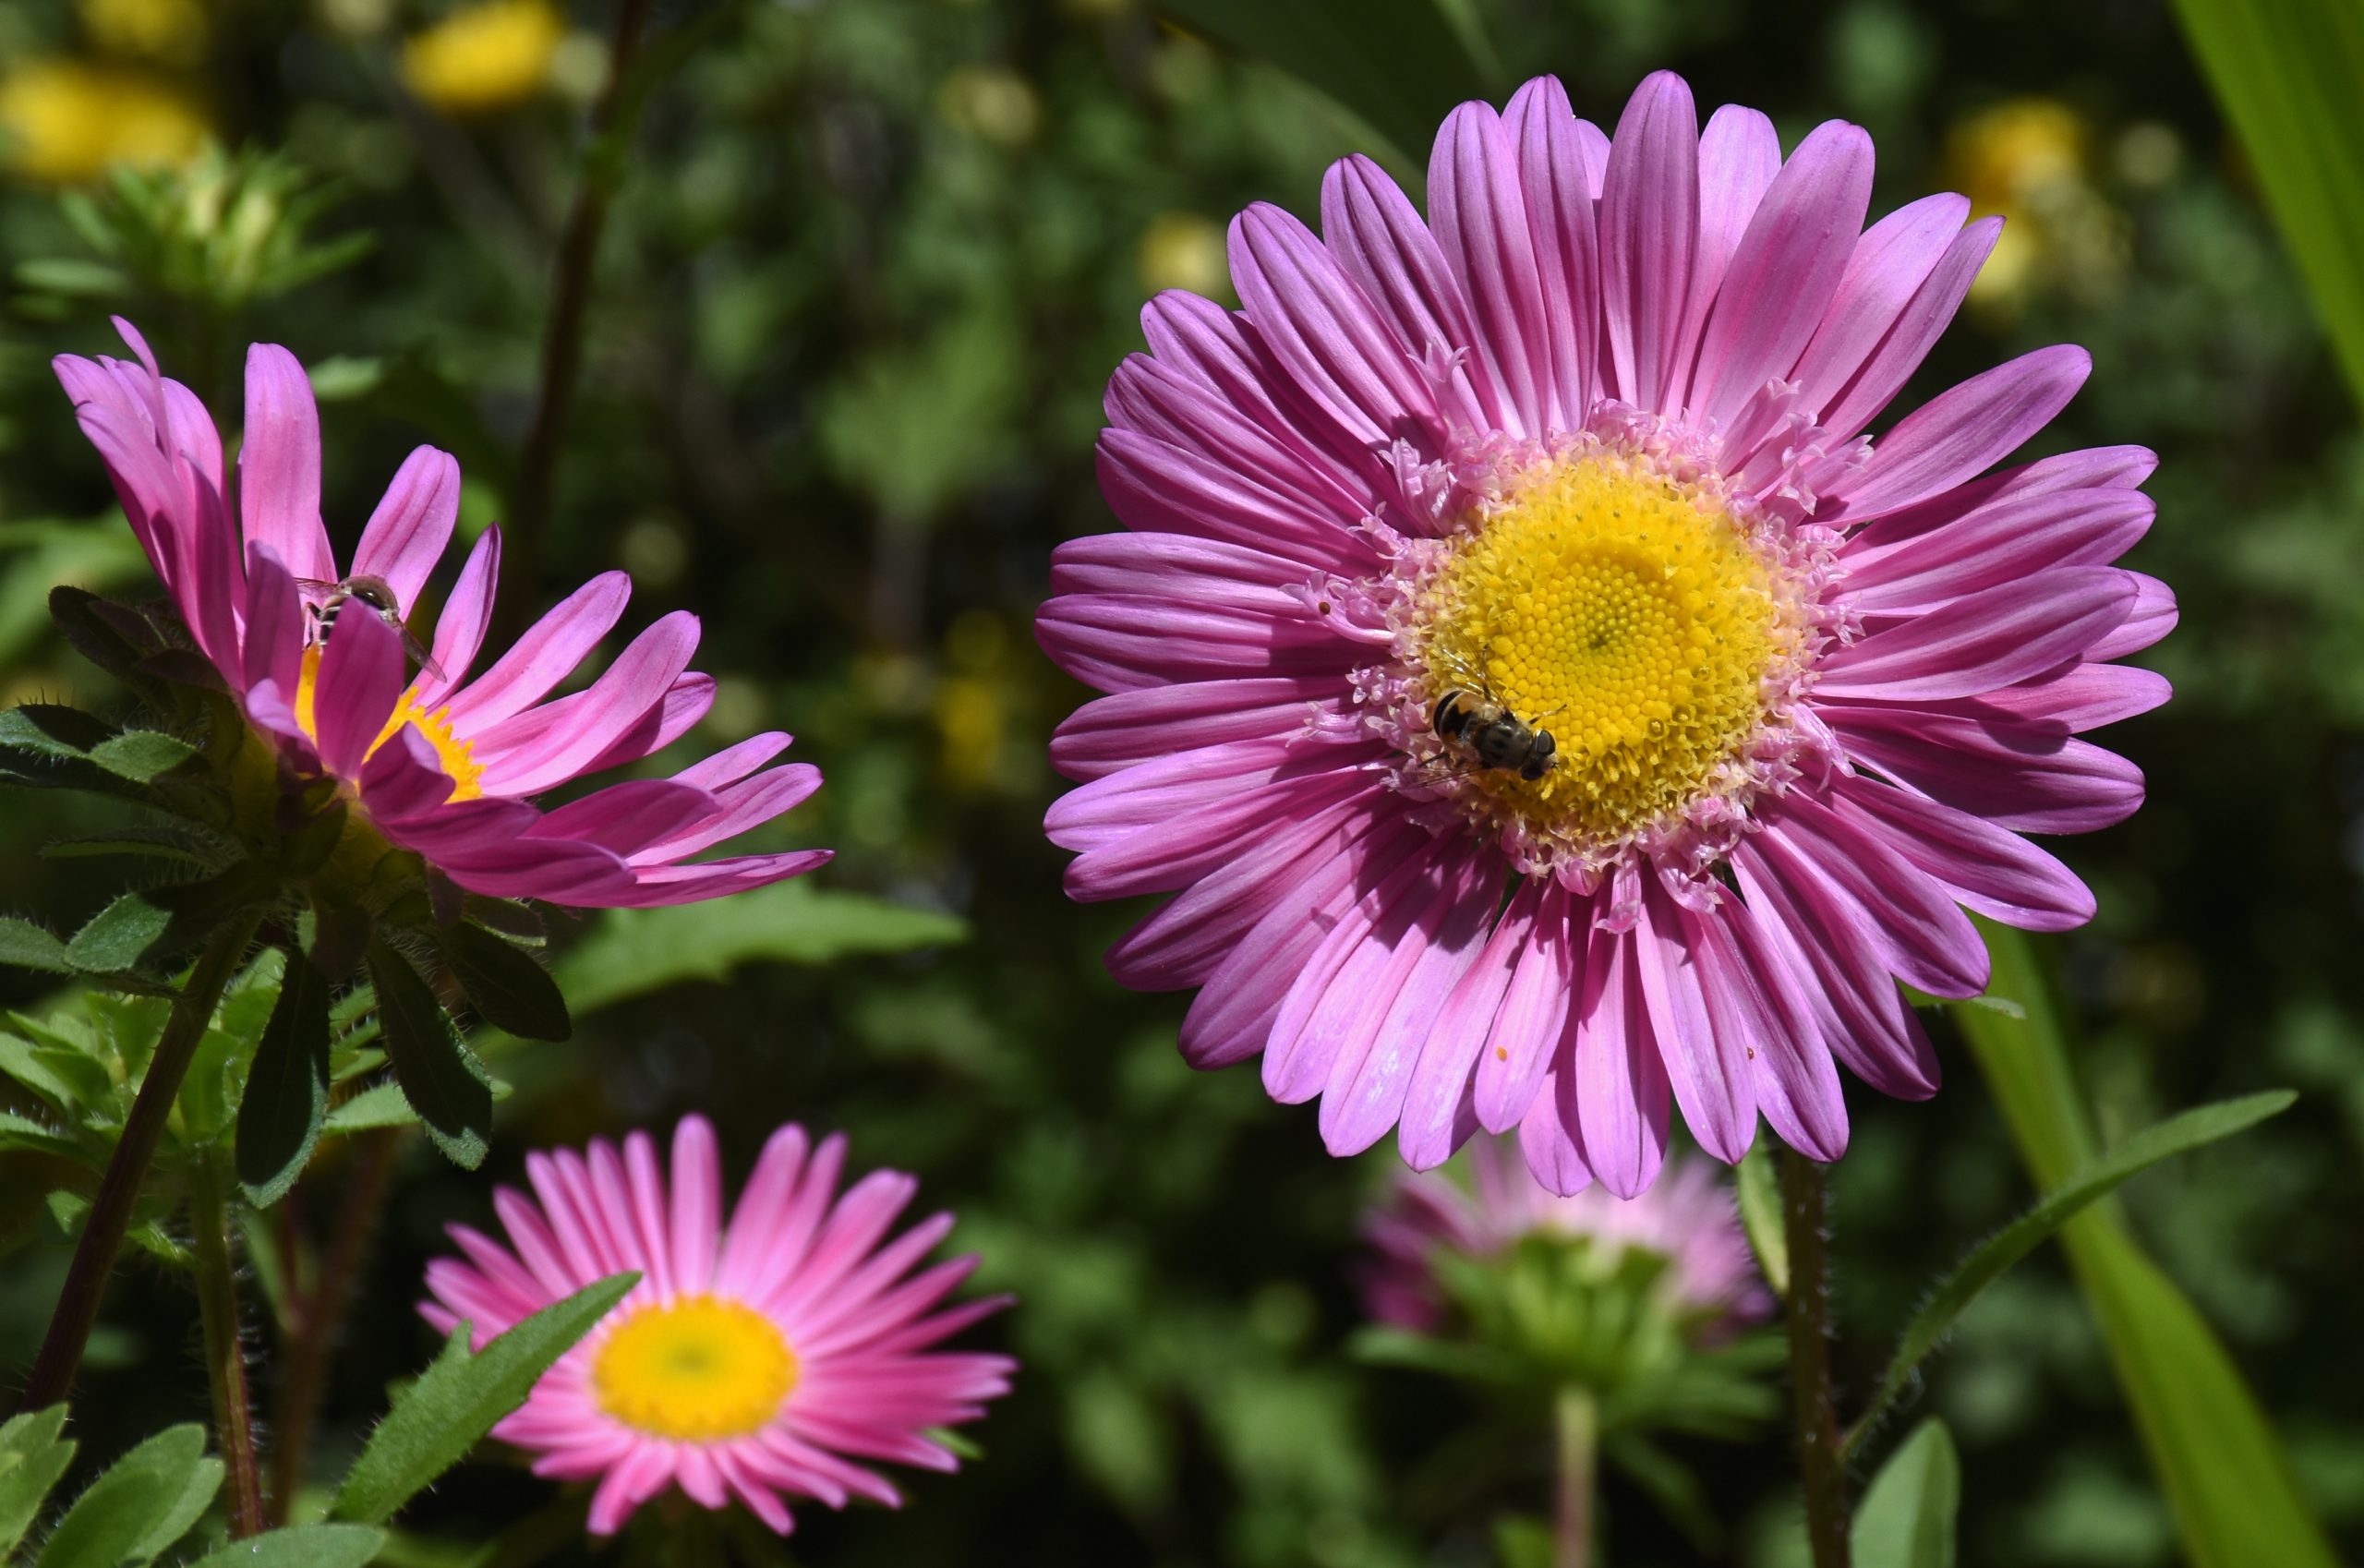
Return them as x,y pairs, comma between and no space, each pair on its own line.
769,1356
1688,1217
444,760
1548,702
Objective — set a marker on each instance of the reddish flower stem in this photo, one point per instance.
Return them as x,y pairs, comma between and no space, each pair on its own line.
1822,1470
225,1351
110,1217
317,1316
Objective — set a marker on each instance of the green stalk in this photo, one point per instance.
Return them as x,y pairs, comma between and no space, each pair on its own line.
1578,1428
226,1355
1822,1472
86,1277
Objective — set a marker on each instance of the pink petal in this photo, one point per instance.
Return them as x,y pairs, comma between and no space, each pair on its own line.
406,534
1707,1066
1887,268
1987,639
1534,1030
1560,218
1962,432
1739,156
1372,229
1786,267
1441,1084
361,676
459,630
1917,329
2025,778
1991,869
279,466
1479,214
544,655
1650,226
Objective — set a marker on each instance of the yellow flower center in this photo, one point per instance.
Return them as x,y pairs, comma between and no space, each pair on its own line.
1625,615
694,1371
457,756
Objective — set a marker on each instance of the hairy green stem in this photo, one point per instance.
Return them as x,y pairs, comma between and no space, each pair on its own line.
1821,1469
110,1217
225,1352
578,252
317,1316
1576,1425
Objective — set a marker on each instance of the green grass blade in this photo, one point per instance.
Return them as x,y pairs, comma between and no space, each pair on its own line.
2223,1468
1988,1263
2286,72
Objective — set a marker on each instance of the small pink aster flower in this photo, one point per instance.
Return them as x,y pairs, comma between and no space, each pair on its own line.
443,763
763,1356
1583,456
1688,1218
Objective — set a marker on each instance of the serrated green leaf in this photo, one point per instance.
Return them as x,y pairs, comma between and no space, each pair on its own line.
53,730
380,1104
1907,1518
141,755
287,1087
120,936
1760,1217
21,1132
2177,1135
154,843
460,1398
144,1502
1400,65
94,637
300,1546
503,984
2226,1478
439,1076
636,951
27,946
33,1456
21,1060
85,1078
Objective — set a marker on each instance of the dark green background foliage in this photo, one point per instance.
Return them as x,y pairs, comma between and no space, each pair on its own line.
844,370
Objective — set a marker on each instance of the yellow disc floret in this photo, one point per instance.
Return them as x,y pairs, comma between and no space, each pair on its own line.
1628,615
694,1371
456,755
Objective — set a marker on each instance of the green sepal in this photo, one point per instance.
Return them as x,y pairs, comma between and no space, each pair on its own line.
439,1076
504,984
287,1087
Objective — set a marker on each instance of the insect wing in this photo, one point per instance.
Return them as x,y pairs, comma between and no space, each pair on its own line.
419,656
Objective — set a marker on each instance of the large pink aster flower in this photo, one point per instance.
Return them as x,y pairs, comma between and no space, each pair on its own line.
1584,455
441,762
769,1354
1689,1219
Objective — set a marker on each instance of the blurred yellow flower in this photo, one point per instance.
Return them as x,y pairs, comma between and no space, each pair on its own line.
970,717
1186,251
169,32
2025,160
484,57
991,102
68,120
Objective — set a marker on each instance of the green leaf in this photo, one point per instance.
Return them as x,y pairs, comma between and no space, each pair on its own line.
72,275
146,1500
141,755
503,982
287,1087
27,946
439,1076
120,936
2226,1478
2285,72
1400,65
378,1105
2177,1135
633,952
459,1398
21,1132
300,1546
1907,1516
32,1456
53,730
91,635
1760,1217
158,843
